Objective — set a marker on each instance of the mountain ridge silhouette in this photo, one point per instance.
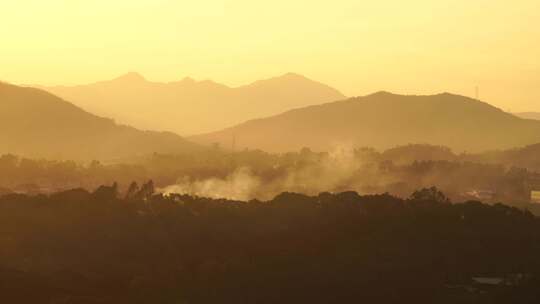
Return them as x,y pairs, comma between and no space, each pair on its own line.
37,123
188,106
383,120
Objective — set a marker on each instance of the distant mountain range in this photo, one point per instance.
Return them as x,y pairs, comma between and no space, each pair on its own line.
192,107
528,115
38,124
384,120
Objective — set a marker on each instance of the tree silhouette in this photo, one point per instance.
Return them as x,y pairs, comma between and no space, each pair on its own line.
430,194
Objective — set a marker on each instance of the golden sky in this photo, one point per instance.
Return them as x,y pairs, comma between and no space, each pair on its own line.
358,47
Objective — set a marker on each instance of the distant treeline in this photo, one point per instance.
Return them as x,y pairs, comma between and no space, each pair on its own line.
494,177
94,247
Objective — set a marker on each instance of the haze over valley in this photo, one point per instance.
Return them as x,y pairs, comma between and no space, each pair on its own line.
291,152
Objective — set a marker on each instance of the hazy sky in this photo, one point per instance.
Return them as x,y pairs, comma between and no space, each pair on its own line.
413,46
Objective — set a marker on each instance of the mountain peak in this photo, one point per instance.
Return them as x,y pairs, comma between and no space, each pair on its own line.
383,120
188,80
131,77
291,75
195,106
382,94
285,78
295,81
444,95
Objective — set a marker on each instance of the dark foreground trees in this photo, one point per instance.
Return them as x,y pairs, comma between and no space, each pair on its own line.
80,247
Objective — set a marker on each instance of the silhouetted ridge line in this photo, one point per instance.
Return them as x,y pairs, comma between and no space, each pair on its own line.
189,106
36,123
383,120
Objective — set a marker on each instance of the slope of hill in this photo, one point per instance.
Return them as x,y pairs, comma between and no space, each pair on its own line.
528,115
38,124
384,120
191,107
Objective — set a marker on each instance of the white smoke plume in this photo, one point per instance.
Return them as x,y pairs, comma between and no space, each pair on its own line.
336,172
240,185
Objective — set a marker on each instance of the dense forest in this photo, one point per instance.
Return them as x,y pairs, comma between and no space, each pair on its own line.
99,247
505,176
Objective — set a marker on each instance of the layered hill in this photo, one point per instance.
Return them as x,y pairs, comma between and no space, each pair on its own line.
384,120
192,107
38,124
